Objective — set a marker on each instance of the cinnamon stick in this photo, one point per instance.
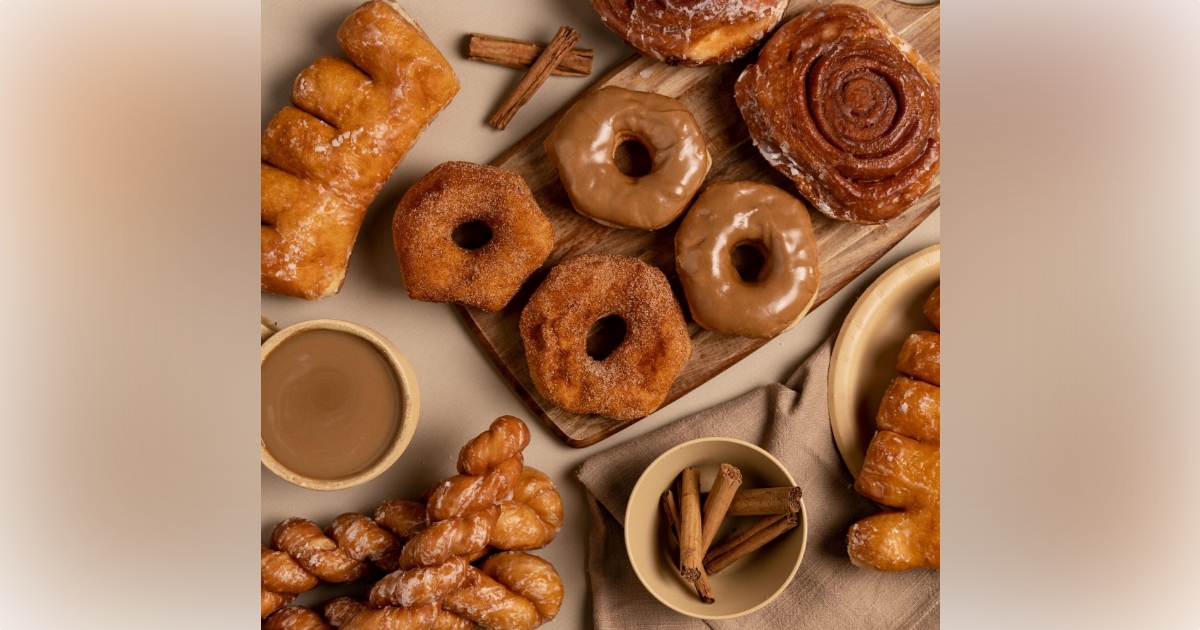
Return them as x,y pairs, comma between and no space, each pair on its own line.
564,40
729,478
691,557
671,514
517,53
759,501
775,527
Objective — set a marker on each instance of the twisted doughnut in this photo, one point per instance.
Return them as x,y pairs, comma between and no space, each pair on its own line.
463,511
511,590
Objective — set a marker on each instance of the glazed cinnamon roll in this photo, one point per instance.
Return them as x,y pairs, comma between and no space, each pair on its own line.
847,110
691,32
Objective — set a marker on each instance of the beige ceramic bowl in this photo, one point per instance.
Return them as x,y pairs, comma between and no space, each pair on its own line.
410,401
746,585
864,357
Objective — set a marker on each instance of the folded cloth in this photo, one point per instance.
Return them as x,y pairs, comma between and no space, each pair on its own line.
791,422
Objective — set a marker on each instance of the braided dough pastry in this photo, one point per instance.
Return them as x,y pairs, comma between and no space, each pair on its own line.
436,268
902,469
847,110
325,159
511,590
472,512
691,32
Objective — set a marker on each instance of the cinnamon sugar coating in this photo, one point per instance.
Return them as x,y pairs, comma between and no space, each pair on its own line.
633,380
847,110
691,32
436,268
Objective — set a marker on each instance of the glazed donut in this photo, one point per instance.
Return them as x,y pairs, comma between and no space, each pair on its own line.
731,214
691,32
847,110
632,381
436,269
584,141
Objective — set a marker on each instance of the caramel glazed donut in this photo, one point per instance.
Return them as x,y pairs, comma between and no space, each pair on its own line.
691,32
732,214
847,110
584,142
633,380
436,268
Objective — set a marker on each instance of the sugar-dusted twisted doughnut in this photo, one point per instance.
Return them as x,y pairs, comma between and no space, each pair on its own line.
463,510
511,590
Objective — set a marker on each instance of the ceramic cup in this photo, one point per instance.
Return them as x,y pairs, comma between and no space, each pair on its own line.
410,401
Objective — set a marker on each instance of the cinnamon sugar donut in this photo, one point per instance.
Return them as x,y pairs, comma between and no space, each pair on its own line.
583,144
847,110
632,381
436,268
691,32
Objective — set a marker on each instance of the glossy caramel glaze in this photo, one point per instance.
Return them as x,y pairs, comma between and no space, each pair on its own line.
729,214
584,142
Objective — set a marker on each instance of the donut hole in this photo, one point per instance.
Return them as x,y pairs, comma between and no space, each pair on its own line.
472,235
633,158
749,259
605,336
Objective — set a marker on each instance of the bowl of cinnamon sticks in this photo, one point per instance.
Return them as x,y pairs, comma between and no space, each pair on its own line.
715,528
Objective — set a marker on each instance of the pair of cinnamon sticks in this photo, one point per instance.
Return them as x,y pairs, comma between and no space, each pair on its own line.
558,57
692,527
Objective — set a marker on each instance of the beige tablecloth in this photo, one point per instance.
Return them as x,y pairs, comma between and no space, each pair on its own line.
790,421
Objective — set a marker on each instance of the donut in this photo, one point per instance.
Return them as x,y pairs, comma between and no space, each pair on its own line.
632,381
729,215
583,143
691,32
848,111
436,268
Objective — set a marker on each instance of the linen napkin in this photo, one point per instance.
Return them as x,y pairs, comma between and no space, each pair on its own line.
790,421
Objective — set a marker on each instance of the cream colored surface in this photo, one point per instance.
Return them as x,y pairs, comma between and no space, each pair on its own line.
746,585
461,392
864,357
410,402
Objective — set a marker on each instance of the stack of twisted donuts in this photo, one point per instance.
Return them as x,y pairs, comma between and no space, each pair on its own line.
427,549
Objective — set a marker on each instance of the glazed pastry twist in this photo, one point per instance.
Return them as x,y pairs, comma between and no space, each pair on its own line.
463,512
847,110
509,591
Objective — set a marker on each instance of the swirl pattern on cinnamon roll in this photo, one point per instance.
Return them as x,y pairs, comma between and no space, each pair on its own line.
848,111
691,32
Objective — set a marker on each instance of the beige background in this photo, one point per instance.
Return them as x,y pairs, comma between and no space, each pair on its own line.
460,390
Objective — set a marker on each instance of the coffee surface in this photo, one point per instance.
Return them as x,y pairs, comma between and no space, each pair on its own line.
330,404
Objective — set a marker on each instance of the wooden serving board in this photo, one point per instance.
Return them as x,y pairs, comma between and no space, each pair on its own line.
845,250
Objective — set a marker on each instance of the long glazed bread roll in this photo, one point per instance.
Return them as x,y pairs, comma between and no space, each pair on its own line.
326,158
847,110
902,467
302,556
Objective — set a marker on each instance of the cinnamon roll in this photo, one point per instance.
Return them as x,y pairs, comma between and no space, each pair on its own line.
847,110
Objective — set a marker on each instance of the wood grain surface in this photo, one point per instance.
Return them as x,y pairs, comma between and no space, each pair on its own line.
845,250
